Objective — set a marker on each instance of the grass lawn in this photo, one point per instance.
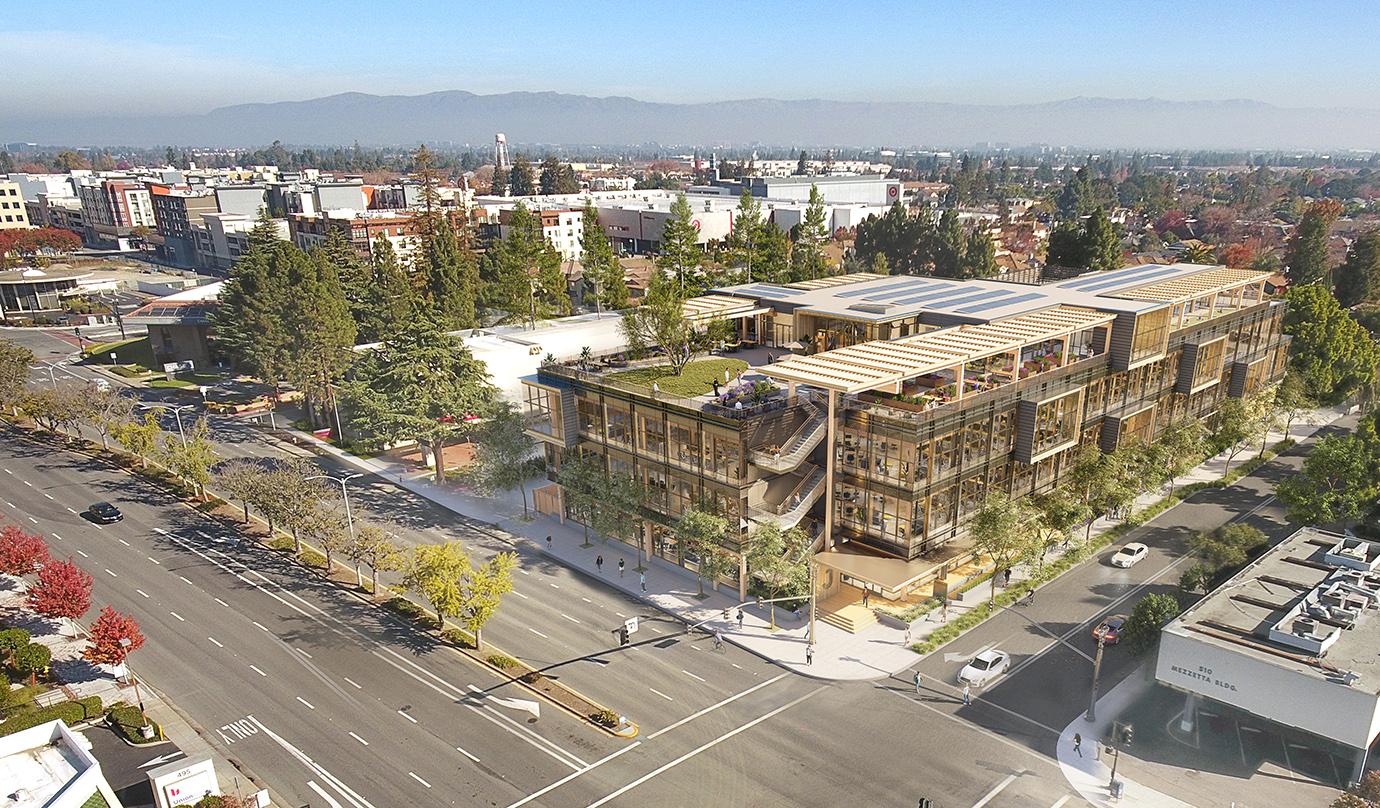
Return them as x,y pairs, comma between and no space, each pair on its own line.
130,352
187,381
697,378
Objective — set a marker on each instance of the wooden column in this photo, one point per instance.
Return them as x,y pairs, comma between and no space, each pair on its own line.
829,474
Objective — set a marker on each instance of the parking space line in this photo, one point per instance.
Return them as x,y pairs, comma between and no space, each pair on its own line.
357,738
179,617
215,642
256,670
1010,778
408,717
659,693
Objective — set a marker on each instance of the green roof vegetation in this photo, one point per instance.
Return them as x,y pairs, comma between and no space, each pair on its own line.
696,380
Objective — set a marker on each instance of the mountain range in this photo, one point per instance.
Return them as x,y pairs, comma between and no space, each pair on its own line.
457,116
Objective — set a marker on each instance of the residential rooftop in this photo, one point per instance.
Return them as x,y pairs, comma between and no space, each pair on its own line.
50,766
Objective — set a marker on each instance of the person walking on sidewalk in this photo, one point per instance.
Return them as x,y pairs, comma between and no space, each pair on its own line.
548,542
1078,744
809,655
1030,598
967,696
599,563
621,564
718,640
917,683
907,642
867,597
1006,577
740,618
642,580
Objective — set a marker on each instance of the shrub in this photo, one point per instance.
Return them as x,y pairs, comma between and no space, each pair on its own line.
1152,612
503,661
532,677
70,712
455,636
311,558
129,720
605,718
12,639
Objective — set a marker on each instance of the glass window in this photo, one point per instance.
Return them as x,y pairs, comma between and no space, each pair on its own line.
620,426
1151,334
1056,423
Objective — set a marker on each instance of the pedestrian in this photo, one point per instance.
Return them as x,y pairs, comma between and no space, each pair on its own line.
917,682
809,655
1030,598
1006,577
548,542
621,564
1078,744
867,597
718,640
599,563
642,580
967,696
907,636
740,618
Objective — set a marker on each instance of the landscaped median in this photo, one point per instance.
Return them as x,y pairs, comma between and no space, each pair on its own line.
399,605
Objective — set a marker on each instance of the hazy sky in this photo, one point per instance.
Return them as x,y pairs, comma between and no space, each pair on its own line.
82,57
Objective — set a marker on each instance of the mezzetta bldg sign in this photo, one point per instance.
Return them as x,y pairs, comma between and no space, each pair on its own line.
1202,673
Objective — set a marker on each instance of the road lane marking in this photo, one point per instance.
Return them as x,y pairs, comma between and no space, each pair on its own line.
1010,778
408,717
223,603
534,795
330,801
69,510
519,594
523,571
256,669
48,495
179,617
1061,801
26,482
540,742
142,592
303,653
691,675
418,779
568,617
353,682
302,757
702,747
154,560
56,536
184,580
257,624
467,754
309,704
555,586
620,614
31,519
357,738
538,633
586,600
736,665
111,574
7,471
125,543
659,693
83,555
716,706
215,642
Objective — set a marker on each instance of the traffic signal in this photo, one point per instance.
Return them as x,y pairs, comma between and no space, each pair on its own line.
623,635
1128,733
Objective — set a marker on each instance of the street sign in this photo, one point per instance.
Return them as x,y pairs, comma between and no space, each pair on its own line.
630,625
179,367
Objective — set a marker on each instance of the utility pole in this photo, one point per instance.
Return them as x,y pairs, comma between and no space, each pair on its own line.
1097,671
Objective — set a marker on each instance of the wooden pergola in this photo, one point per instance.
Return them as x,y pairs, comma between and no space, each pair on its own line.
835,280
719,307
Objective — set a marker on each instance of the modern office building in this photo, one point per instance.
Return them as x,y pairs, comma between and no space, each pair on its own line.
1290,639
26,292
894,405
13,215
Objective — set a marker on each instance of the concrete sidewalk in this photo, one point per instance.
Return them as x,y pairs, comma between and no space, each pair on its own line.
876,652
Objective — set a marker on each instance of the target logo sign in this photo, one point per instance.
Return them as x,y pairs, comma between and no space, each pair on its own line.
695,223
891,192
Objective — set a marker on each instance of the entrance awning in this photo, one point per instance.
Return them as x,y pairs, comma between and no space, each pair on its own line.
894,574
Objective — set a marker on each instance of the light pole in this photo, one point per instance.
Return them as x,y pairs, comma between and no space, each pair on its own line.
125,643
1097,671
344,494
177,411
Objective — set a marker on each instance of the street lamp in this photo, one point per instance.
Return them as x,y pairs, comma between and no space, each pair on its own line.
344,494
125,643
177,411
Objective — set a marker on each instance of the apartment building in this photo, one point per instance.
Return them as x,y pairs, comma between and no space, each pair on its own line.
889,407
222,237
359,227
561,227
13,214
114,206
176,210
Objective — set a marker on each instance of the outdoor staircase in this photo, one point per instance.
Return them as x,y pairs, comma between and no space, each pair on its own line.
845,611
796,448
787,514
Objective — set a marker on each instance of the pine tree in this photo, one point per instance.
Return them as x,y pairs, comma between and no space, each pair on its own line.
807,259
1104,244
498,183
680,254
448,272
247,319
773,263
979,256
394,298
550,173
1358,278
357,283
1307,259
566,181
745,239
317,315
523,270
520,180
601,267
949,244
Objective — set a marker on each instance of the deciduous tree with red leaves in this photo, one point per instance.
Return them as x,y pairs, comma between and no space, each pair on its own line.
21,553
107,632
63,591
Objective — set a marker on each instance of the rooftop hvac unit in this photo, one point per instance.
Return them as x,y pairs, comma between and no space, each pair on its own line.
1344,615
1303,627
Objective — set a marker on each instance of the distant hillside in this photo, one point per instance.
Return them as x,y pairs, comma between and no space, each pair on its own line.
460,117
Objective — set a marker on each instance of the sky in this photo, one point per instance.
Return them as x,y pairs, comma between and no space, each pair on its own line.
81,58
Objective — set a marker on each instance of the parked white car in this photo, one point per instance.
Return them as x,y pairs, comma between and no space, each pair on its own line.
1127,556
985,667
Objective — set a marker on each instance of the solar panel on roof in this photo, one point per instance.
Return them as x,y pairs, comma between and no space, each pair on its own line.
770,291
971,298
934,297
1138,280
1097,278
993,304
908,283
928,286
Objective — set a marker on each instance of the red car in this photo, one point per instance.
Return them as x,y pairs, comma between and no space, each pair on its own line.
1109,630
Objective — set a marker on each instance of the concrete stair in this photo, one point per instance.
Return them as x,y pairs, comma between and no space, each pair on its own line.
846,611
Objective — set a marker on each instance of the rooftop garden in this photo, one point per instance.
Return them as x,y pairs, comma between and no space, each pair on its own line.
696,379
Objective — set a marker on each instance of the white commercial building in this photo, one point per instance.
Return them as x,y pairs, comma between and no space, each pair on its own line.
1292,638
50,766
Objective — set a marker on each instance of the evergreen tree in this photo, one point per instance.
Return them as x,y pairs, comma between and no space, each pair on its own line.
1104,244
357,283
950,242
802,165
520,180
1077,198
1334,354
807,258
601,267
904,240
773,263
247,319
498,183
550,174
1306,259
1358,278
1067,247
395,301
524,272
449,274
680,254
745,239
566,181
979,256
321,332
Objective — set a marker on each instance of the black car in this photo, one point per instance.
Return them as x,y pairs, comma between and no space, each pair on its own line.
105,513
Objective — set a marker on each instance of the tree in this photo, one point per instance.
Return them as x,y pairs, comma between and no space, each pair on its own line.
318,331
498,183
1292,398
1060,512
1306,260
11,640
15,360
437,573
393,296
581,478
778,560
520,180
1151,613
483,591
660,322
601,267
105,410
1231,428
746,235
1003,529
1103,242
680,255
700,533
372,545
114,636
140,437
550,173
524,272
356,284
240,478
21,553
979,256
504,447
63,591
55,408
248,316
619,512
1067,247
905,241
807,258
1227,546
1181,443
422,385
192,461
1358,278
1199,253
326,526
949,241
449,273
802,165
291,496
1334,354
67,160
31,659
1337,482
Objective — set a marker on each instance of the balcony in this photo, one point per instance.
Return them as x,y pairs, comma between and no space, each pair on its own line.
795,449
